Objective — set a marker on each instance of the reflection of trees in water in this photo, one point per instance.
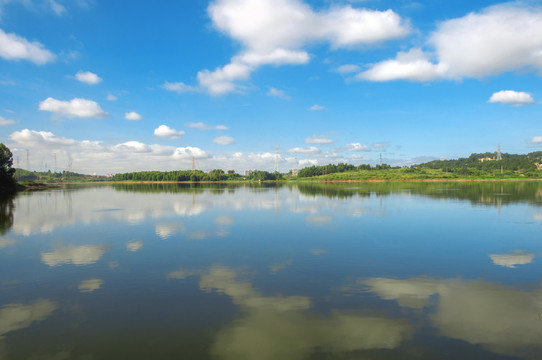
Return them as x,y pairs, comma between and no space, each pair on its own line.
6,214
483,193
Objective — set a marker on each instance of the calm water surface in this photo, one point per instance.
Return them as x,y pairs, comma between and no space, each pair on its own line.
314,271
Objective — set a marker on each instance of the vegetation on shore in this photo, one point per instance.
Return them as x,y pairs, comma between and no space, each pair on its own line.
484,166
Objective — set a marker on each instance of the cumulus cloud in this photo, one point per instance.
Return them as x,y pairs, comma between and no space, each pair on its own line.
13,47
166,131
278,94
274,32
165,231
90,285
134,246
412,65
132,116
318,139
508,37
358,147
40,139
308,162
317,107
111,97
203,126
511,97
79,255
536,140
88,77
224,140
189,152
4,121
511,260
306,150
178,87
74,108
260,332
19,316
500,318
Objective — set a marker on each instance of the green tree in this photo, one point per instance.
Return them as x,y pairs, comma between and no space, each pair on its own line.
7,182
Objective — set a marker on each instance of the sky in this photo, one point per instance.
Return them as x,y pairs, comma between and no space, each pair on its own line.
98,86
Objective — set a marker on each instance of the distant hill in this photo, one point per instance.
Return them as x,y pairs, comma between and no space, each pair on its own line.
485,162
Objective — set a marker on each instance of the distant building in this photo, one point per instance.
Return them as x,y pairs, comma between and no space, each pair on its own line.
248,172
294,172
487,159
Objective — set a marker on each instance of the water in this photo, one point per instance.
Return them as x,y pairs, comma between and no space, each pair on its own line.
314,271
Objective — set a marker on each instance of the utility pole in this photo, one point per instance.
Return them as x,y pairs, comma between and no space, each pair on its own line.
277,158
193,164
499,156
381,159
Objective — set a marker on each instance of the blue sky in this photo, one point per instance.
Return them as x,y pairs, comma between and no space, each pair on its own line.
115,86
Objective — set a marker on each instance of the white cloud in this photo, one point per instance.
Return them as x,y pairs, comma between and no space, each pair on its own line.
278,94
511,260
45,139
90,285
317,107
348,68
111,97
536,140
13,47
18,316
133,146
4,121
358,147
511,97
189,152
275,31
224,140
301,150
178,87
507,37
412,65
318,139
57,8
80,255
74,108
132,115
134,246
88,77
202,126
166,131
308,162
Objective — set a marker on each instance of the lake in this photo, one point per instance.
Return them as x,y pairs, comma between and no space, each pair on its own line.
307,271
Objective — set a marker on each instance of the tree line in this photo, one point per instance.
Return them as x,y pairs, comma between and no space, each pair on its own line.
316,170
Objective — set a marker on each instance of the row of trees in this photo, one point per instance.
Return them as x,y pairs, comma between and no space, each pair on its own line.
179,175
338,168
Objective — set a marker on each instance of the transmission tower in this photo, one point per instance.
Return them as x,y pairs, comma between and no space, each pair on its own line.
193,164
28,160
54,156
296,166
380,159
277,158
499,155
